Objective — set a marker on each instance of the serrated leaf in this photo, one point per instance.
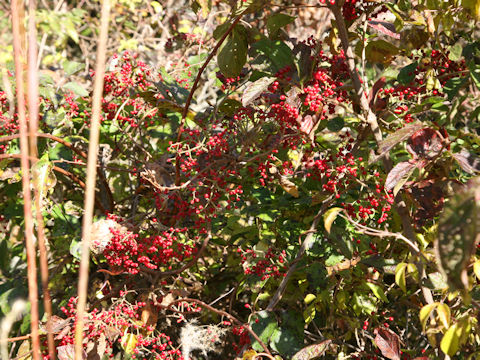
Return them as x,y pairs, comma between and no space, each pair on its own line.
455,53
453,86
253,90
329,217
277,52
377,291
76,88
400,277
232,55
425,314
336,124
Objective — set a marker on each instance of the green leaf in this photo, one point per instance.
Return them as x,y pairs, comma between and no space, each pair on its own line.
407,74
455,52
229,106
444,314
453,86
330,216
276,22
264,328
43,177
71,67
380,51
309,313
285,341
336,124
76,88
232,55
425,314
451,340
474,73
400,276
277,52
377,291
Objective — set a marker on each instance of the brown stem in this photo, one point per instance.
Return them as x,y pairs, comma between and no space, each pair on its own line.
33,129
27,201
91,175
222,313
399,204
19,338
192,91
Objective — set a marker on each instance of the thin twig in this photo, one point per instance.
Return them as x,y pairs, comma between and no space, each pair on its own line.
194,87
91,175
307,243
25,164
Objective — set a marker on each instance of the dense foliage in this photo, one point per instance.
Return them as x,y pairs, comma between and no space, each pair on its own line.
276,179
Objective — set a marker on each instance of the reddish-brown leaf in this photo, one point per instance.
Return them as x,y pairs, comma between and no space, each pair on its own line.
385,28
399,173
388,342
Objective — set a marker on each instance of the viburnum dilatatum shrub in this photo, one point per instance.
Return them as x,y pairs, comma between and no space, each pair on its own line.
263,190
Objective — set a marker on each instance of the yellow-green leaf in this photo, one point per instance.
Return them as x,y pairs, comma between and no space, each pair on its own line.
451,340
330,216
412,270
425,313
377,291
476,269
129,342
309,298
400,276
444,314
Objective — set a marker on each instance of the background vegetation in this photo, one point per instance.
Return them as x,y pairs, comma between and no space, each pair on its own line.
273,179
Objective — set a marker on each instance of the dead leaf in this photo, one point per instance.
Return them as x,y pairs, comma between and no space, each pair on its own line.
388,342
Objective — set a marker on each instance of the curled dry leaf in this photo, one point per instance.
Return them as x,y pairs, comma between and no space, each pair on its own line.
399,175
67,352
253,90
313,351
467,161
388,342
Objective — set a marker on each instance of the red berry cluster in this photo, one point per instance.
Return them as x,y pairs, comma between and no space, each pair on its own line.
264,265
